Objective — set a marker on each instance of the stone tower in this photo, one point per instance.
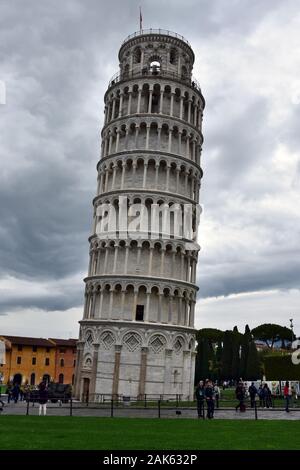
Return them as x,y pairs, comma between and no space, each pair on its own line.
137,332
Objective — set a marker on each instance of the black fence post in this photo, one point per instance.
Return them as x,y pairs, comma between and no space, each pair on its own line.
203,410
27,408
71,407
255,409
112,408
158,408
145,401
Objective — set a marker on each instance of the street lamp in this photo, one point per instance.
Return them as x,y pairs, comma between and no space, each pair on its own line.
292,329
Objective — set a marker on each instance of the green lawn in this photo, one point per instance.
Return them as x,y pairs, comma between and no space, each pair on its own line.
51,432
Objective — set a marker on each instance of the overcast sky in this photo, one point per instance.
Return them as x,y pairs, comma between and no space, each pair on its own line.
56,58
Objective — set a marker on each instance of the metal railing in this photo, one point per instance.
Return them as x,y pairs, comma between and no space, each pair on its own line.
165,32
119,77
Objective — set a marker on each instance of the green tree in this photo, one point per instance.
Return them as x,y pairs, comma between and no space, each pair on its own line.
253,369
226,355
270,333
245,342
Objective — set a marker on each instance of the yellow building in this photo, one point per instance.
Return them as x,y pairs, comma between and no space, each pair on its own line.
28,360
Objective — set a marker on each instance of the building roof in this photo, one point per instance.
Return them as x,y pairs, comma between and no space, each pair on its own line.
28,341
71,342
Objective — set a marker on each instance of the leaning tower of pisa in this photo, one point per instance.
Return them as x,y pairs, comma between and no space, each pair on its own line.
137,332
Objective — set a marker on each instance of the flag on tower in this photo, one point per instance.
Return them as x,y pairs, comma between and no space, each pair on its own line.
141,20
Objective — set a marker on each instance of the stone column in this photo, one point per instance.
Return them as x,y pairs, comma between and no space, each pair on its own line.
147,306
114,175
186,375
147,136
113,108
92,389
179,142
129,102
159,315
100,304
117,141
126,259
116,375
181,107
189,111
168,176
121,104
111,299
150,101
150,261
135,295
158,138
172,105
137,128
123,174
156,175
78,366
143,372
145,174
139,101
161,101
177,178
187,150
168,372
192,376
170,141
115,259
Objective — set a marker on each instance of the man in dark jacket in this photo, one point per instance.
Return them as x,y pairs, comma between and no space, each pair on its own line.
200,395
240,395
43,398
252,392
210,399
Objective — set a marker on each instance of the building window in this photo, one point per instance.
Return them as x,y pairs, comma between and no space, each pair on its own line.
74,363
62,350
32,379
62,363
19,360
139,314
20,348
61,378
33,361
73,379
34,348
74,351
47,361
47,350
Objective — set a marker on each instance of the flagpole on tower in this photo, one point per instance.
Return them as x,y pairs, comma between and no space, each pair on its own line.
141,19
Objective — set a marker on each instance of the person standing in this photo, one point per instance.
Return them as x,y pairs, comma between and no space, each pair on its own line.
287,395
210,399
16,392
217,394
252,392
240,395
43,398
200,395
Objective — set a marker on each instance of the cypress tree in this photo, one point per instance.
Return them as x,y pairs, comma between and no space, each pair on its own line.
245,351
253,371
235,362
226,356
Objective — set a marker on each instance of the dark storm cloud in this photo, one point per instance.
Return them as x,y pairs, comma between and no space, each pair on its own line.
57,58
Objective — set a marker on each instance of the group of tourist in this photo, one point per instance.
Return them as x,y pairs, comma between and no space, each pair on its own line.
210,393
16,392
